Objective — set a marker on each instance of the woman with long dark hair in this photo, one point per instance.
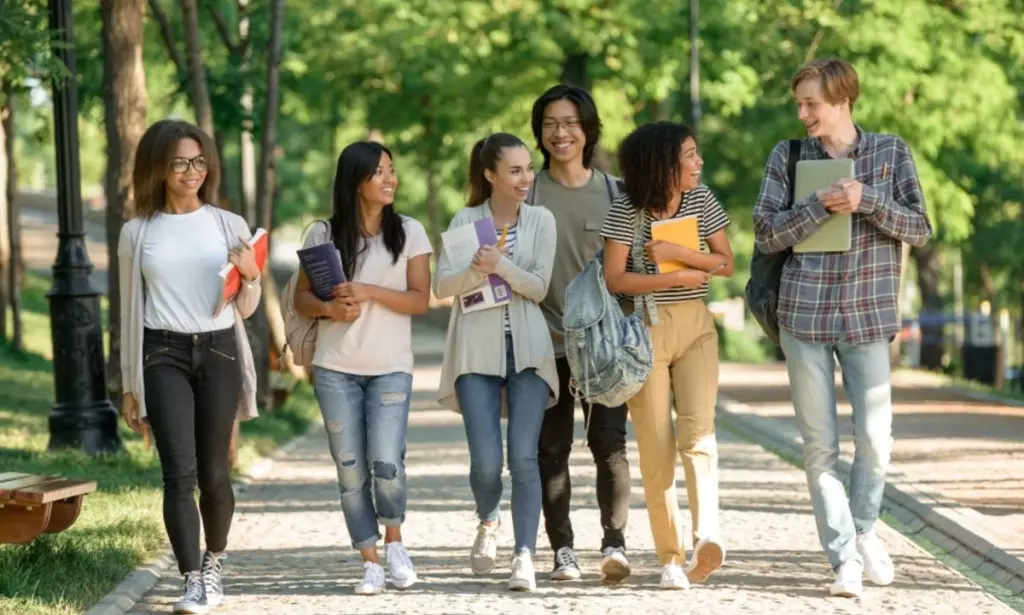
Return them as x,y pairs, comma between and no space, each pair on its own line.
186,371
500,361
362,366
661,168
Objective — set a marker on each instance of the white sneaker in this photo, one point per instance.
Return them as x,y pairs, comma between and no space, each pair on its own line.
848,582
878,565
673,577
708,556
485,549
373,581
614,565
193,600
524,577
567,567
400,568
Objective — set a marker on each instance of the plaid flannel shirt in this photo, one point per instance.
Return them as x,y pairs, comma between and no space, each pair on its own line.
849,296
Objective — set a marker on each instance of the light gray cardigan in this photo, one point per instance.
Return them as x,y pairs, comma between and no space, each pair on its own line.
476,342
133,306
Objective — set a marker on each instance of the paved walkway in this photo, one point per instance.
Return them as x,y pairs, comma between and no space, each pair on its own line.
965,449
289,551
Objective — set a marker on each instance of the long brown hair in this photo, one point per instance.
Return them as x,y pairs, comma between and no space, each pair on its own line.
485,156
153,162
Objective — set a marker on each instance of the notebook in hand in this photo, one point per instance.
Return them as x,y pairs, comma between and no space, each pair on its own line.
231,280
460,244
836,233
680,231
322,265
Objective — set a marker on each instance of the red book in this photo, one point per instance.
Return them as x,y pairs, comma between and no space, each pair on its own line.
231,279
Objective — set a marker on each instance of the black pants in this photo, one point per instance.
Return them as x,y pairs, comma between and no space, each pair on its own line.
192,384
607,441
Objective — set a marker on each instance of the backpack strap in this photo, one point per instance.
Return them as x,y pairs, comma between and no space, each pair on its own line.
794,157
615,186
642,301
532,195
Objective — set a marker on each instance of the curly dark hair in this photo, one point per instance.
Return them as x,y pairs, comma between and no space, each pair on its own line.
649,162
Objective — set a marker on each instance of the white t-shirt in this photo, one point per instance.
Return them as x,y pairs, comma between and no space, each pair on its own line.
182,255
379,341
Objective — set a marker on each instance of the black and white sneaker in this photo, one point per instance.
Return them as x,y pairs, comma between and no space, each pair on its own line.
212,583
567,568
193,601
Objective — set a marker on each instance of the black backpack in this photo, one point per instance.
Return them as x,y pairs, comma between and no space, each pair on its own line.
766,269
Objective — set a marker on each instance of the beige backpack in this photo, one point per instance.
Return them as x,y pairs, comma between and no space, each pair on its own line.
299,331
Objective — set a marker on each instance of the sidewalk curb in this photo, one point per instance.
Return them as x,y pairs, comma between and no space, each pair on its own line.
942,521
129,591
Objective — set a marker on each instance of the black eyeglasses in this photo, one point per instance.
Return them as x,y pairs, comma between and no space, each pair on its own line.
553,125
181,165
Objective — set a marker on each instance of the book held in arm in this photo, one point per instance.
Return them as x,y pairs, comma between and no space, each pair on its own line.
460,245
836,233
679,231
322,265
231,279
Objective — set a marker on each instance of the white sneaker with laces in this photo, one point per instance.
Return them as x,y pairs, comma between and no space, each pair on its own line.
485,549
373,581
614,566
673,577
567,567
708,556
524,577
848,583
400,567
212,581
878,567
193,600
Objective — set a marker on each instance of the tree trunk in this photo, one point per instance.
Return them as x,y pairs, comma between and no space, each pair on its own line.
16,270
574,70
929,276
124,100
197,71
433,213
247,147
6,263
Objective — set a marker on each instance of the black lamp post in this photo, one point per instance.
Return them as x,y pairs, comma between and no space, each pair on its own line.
82,416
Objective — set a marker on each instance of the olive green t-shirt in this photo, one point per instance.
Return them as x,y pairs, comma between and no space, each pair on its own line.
579,214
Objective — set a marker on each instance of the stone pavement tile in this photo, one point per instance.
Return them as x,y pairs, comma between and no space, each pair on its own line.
966,450
289,550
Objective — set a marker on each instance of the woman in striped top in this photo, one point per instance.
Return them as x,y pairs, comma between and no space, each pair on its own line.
661,169
500,361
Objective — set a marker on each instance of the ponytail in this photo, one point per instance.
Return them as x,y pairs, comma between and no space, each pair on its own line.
483,157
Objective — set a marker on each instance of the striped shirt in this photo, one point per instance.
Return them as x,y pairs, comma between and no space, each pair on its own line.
510,243
620,223
828,297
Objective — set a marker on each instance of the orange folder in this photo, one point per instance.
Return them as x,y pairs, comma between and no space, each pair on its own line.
680,231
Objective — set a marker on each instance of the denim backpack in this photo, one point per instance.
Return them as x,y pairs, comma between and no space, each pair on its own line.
766,269
609,354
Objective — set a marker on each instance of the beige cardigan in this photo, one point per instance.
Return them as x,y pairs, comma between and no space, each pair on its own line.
133,304
476,341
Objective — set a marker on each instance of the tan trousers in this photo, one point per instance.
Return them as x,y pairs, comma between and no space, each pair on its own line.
686,366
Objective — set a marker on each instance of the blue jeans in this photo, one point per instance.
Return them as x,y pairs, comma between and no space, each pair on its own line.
480,399
867,381
366,419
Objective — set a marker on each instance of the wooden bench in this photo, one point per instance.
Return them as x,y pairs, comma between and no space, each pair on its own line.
31,505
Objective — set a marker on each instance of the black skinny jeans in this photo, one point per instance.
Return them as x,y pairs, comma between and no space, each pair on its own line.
607,442
193,382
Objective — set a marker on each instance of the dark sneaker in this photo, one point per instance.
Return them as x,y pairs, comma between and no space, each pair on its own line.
614,565
567,568
212,583
193,601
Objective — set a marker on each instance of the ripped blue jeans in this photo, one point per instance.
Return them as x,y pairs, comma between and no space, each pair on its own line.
366,419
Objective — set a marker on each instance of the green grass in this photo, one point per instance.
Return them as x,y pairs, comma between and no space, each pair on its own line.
121,524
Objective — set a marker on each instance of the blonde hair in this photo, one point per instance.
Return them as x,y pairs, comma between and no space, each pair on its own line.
839,80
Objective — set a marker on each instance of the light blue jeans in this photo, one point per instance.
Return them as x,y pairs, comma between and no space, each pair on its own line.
480,400
867,381
366,419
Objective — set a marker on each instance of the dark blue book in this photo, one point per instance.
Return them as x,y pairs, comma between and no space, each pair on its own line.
322,265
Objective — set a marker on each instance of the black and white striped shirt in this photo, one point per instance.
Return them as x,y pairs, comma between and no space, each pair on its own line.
700,202
510,243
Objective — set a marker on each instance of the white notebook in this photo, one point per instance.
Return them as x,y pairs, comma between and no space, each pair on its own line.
836,233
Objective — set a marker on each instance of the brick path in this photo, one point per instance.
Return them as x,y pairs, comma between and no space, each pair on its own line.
289,550
968,450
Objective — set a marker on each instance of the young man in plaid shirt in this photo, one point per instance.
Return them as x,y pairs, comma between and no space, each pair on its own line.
843,304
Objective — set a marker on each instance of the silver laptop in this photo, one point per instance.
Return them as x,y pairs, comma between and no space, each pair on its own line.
836,233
